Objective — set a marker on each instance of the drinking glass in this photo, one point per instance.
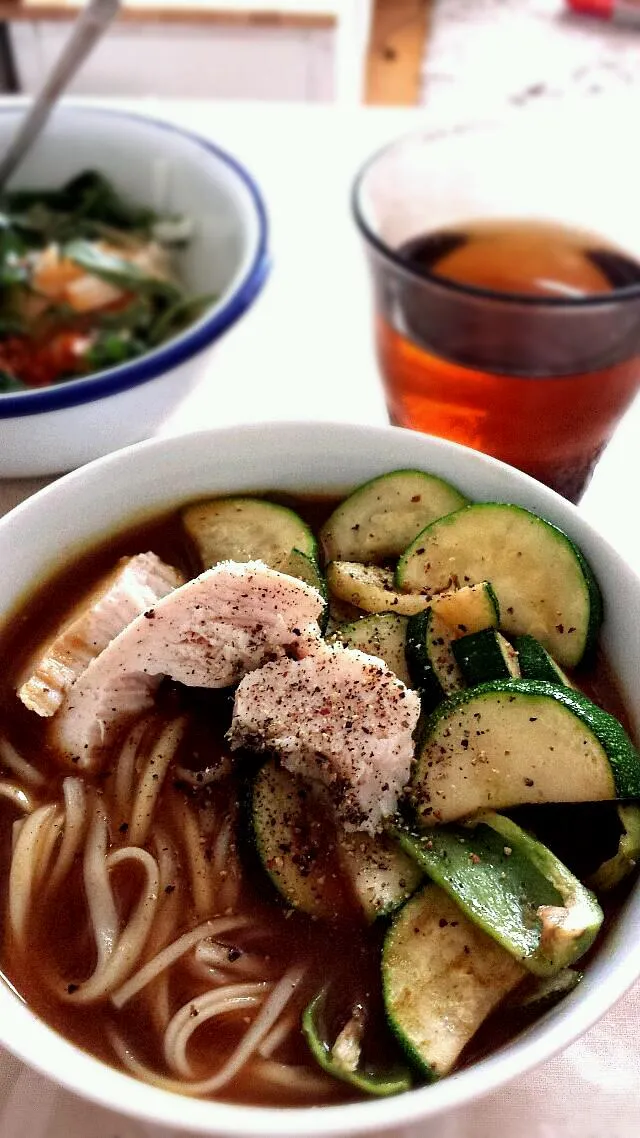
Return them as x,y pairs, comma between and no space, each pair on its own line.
538,377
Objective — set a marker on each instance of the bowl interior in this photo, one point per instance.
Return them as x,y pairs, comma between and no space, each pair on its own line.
89,504
159,165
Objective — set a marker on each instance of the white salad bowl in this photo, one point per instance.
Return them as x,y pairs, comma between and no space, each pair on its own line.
67,517
57,428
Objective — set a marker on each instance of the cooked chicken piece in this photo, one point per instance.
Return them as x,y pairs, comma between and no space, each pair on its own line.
337,716
208,633
136,584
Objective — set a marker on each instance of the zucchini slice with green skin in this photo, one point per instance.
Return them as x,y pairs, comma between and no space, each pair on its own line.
305,568
370,588
511,742
536,663
297,843
379,519
616,868
486,655
246,529
543,583
432,665
381,874
313,863
441,977
382,635
513,888
468,609
342,1058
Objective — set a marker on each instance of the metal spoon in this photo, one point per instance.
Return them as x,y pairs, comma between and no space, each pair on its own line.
88,28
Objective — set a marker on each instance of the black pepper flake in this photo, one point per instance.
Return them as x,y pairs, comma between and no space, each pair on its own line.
169,889
150,613
123,827
71,988
233,955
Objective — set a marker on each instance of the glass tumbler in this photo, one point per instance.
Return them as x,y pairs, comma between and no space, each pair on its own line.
506,277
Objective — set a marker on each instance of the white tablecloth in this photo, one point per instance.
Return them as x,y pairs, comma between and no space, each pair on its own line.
305,352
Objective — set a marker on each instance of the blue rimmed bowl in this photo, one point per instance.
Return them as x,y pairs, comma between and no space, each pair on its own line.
174,171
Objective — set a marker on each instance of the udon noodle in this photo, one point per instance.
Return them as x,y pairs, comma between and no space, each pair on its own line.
137,921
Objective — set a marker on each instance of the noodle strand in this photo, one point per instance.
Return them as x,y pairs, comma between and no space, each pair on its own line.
18,766
17,797
173,952
75,820
127,950
151,782
26,864
189,1018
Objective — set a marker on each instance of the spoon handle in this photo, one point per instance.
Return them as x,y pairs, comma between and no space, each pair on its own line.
92,22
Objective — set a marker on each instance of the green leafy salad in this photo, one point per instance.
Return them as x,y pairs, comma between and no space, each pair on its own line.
87,282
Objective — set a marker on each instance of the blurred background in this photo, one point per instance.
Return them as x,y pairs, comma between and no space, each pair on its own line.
458,56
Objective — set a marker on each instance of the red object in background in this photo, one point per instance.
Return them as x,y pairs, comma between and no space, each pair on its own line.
620,11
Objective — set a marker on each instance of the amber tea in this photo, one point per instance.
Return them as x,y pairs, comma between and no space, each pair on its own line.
483,338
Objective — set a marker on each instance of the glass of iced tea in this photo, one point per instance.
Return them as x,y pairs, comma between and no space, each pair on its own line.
506,274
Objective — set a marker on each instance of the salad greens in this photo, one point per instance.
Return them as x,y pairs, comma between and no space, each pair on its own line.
86,282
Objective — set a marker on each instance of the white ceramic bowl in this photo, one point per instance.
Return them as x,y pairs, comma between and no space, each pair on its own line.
58,428
91,503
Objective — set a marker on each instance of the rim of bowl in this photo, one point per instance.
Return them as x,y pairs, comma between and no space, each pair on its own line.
98,1082
195,338
359,212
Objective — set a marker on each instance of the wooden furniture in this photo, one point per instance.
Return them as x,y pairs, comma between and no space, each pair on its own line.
399,32
302,50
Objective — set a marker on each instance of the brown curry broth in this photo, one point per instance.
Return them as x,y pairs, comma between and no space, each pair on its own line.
342,952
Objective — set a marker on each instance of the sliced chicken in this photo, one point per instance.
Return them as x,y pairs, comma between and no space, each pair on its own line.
337,716
208,633
136,584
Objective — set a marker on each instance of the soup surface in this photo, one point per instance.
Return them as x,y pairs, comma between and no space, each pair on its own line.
144,921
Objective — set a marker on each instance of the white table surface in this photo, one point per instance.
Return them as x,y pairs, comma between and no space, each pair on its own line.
305,352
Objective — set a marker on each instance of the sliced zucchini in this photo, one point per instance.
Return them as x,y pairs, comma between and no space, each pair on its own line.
512,887
381,634
317,867
432,665
296,842
536,663
616,868
382,875
371,588
485,655
441,977
544,586
379,519
305,568
246,529
343,1057
468,609
515,741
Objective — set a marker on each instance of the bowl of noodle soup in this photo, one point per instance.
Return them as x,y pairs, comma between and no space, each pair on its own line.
137,943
